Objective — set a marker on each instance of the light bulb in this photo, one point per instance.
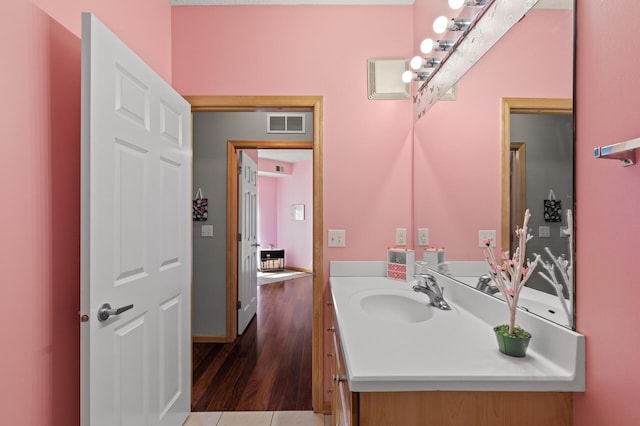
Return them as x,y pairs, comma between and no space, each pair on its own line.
407,76
456,4
426,46
416,62
440,24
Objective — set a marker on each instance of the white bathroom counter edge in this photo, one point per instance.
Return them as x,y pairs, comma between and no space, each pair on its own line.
385,356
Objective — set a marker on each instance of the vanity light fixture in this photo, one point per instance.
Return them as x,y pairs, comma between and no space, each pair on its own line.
478,34
418,62
409,76
428,45
458,4
442,24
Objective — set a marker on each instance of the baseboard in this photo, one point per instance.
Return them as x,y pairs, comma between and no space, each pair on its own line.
295,268
210,339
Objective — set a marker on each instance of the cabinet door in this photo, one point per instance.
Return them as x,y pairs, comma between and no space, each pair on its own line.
345,402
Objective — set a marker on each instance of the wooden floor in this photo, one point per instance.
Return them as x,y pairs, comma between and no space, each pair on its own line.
268,368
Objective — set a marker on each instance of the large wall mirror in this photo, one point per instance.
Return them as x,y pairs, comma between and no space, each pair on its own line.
503,145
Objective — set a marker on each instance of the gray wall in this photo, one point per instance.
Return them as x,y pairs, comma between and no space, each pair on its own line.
211,131
549,165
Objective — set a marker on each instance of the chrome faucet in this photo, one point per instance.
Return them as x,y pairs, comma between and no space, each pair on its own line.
485,284
428,285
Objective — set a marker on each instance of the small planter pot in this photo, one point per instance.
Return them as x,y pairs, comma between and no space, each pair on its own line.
515,346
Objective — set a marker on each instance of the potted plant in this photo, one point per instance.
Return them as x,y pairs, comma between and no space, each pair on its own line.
509,275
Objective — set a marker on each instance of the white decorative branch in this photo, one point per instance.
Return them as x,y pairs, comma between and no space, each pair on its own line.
510,275
565,268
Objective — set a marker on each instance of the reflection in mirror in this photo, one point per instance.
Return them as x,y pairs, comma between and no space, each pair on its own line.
519,93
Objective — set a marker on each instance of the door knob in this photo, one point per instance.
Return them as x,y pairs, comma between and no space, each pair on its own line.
105,311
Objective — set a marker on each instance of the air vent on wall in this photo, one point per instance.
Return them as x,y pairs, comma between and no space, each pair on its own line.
383,80
285,123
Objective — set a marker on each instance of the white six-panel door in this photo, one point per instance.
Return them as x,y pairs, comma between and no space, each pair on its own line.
247,225
136,238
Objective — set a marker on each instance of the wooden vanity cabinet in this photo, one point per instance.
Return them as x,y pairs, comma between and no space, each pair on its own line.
344,403
441,408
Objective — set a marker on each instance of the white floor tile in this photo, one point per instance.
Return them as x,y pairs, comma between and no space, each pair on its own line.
297,418
246,418
258,418
203,419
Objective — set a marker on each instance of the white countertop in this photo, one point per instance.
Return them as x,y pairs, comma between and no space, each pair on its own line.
453,350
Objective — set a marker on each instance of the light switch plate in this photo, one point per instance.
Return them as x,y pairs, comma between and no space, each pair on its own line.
336,238
423,237
401,236
206,231
544,231
483,234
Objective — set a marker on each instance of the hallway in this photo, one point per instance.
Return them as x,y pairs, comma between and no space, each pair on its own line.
268,368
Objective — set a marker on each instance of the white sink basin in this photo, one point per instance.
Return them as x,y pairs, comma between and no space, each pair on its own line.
403,306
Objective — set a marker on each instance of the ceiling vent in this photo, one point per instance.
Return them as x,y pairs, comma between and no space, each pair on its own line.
285,123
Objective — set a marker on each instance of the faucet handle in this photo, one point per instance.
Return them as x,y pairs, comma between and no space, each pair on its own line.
430,282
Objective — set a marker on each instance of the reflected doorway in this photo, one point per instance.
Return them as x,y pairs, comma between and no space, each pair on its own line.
517,187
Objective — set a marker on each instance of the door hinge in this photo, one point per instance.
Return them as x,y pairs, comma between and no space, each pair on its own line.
239,236
239,304
239,170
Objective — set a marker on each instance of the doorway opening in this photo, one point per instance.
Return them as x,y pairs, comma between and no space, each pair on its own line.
517,186
520,106
255,103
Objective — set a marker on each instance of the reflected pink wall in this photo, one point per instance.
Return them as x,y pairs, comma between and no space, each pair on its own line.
40,191
457,143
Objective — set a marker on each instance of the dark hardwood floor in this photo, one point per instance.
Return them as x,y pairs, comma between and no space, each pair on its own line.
268,368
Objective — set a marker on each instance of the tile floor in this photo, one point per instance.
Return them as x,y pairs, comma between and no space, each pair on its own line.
258,418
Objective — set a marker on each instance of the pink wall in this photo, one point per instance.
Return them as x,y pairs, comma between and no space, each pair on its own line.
365,167
275,225
608,202
40,192
267,211
317,50
457,143
296,236
266,165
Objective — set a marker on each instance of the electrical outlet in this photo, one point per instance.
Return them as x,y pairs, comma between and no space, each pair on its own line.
206,231
423,236
544,231
401,236
486,234
336,237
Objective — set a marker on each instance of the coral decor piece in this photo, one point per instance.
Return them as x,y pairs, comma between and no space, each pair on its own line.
510,274
565,269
